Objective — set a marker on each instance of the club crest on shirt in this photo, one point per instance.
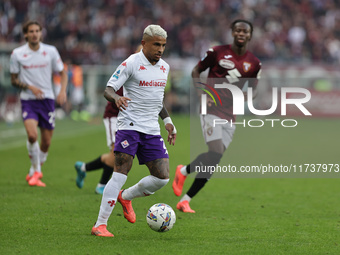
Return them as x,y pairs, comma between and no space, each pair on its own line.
246,66
125,144
209,131
225,63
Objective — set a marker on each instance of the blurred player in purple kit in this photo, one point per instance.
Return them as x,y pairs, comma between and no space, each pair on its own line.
106,160
31,68
232,64
143,76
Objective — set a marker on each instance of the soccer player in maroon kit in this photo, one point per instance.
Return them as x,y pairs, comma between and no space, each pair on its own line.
232,64
106,160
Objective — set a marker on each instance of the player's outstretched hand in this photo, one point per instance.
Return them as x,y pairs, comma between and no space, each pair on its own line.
171,133
122,103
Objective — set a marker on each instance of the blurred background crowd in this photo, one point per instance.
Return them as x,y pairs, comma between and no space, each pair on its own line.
297,41
102,31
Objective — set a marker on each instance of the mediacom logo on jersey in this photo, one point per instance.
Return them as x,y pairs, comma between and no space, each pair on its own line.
238,105
153,83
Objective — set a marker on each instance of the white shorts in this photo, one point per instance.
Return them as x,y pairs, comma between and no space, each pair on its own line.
111,128
220,132
77,96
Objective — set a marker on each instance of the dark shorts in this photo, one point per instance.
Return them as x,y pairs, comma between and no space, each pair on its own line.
40,110
146,147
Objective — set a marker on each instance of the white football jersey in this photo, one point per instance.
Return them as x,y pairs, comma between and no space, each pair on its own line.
36,68
144,84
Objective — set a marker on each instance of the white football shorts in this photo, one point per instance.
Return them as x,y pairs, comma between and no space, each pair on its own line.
110,128
221,131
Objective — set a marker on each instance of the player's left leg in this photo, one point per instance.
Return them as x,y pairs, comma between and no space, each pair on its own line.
45,111
155,156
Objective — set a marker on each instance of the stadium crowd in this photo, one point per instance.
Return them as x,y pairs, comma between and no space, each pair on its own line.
102,31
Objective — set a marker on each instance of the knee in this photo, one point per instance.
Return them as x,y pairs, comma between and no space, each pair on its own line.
32,137
158,182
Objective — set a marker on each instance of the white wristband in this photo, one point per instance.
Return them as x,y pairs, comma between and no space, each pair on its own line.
168,120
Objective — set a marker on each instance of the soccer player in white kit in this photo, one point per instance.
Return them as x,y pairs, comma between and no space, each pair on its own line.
143,77
31,68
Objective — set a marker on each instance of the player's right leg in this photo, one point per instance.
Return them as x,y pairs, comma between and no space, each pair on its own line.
34,175
112,190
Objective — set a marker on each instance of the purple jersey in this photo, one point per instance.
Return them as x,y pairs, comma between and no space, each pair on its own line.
226,66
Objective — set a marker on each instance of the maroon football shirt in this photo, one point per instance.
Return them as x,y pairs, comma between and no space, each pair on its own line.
226,66
111,110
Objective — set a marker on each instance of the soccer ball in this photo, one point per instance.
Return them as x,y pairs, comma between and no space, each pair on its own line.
161,217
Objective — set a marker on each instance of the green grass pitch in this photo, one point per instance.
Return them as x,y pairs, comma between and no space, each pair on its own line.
233,215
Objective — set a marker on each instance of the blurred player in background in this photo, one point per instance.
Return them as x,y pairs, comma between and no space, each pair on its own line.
232,64
106,160
143,76
31,68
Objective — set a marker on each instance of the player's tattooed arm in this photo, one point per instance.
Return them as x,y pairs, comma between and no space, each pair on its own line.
163,113
111,96
21,85
17,83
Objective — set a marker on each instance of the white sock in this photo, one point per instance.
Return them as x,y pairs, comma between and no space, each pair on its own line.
185,197
145,187
99,185
184,170
42,157
83,167
31,171
33,153
109,198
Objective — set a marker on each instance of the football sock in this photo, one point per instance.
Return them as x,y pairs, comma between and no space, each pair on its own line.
94,165
42,157
106,175
206,159
145,187
197,185
185,197
187,168
209,158
183,170
109,198
31,171
33,153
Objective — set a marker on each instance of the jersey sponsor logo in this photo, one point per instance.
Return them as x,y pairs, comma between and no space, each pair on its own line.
125,144
116,74
246,66
141,68
228,64
163,69
35,66
153,83
233,75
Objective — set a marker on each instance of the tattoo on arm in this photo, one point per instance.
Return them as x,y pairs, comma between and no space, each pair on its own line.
19,84
163,113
